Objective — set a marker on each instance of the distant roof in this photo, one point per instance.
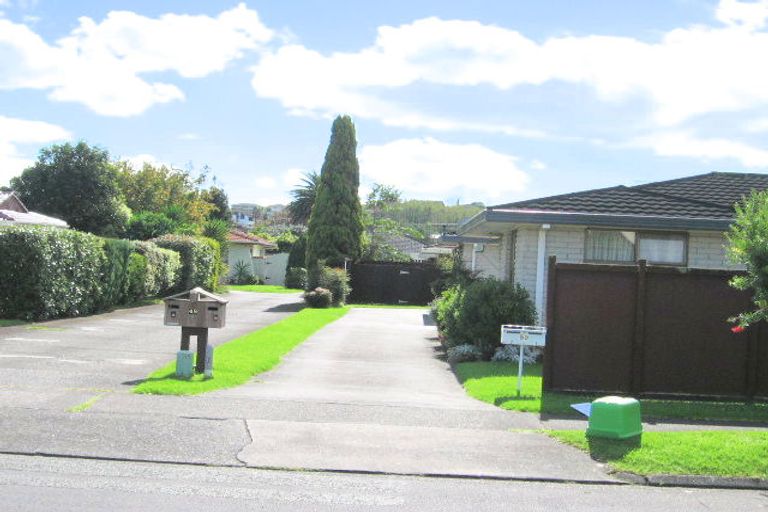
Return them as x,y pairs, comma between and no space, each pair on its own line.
13,217
10,201
241,237
704,201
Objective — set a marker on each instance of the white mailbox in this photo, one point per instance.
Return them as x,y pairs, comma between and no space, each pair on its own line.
527,335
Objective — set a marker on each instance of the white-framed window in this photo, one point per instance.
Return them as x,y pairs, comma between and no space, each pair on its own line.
615,246
257,251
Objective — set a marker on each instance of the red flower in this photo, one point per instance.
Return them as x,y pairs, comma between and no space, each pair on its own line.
737,329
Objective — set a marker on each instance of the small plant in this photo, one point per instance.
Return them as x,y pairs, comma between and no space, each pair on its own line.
241,274
463,353
296,277
318,298
511,353
334,279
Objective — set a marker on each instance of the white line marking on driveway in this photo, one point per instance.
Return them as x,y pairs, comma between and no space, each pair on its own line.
92,329
76,361
120,320
127,361
32,339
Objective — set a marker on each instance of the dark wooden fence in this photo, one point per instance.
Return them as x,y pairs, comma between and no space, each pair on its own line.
651,331
392,283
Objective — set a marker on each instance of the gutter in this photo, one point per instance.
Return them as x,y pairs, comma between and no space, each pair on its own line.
597,220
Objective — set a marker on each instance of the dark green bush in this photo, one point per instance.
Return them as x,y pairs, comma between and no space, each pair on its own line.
146,225
318,298
474,313
49,272
163,269
199,257
337,281
298,255
296,277
115,282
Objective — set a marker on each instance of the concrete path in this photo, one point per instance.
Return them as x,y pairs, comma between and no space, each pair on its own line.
395,410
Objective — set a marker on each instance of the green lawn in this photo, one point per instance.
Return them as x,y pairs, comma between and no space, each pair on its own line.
262,288
9,323
496,383
236,361
718,453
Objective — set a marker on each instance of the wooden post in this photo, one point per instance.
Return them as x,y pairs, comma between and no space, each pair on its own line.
549,345
636,384
202,344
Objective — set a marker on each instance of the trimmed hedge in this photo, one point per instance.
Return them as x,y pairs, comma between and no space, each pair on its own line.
200,260
51,272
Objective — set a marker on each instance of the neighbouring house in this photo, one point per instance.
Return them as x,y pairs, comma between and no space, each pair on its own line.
256,253
679,222
13,213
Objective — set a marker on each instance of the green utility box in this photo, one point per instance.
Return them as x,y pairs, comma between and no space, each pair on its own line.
614,417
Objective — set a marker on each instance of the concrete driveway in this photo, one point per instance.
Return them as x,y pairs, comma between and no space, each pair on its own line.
367,393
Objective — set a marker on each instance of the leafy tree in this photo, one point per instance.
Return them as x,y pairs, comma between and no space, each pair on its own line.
297,258
146,225
304,195
335,226
218,198
77,183
748,239
217,229
158,188
382,196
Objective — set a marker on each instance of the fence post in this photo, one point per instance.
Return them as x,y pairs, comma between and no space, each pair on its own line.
637,383
546,378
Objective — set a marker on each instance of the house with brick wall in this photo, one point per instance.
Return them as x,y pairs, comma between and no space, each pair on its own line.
679,222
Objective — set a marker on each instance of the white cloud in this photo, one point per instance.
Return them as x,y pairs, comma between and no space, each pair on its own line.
293,177
689,71
684,144
100,64
188,136
757,125
538,165
265,182
431,169
15,132
138,161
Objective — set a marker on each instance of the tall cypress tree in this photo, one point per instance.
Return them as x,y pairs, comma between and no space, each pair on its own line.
335,225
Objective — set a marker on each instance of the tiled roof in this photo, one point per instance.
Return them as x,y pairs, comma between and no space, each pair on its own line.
241,237
708,196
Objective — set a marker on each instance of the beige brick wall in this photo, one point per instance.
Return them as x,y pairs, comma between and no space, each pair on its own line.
708,250
490,262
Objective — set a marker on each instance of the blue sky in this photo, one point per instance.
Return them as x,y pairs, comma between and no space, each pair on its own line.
491,101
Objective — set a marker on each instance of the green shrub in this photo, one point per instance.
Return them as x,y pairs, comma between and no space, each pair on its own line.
146,225
242,274
334,279
296,277
298,255
473,313
199,260
138,270
49,272
115,282
219,267
163,269
318,298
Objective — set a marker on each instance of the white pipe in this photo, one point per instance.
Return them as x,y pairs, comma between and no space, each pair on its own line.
474,256
540,262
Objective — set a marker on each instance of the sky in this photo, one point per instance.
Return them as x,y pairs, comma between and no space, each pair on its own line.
490,101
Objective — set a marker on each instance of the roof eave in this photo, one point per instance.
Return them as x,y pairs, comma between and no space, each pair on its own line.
599,220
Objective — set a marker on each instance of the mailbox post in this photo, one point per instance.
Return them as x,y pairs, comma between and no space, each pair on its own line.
195,311
523,336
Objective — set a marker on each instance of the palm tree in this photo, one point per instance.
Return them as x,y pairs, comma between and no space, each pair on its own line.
304,198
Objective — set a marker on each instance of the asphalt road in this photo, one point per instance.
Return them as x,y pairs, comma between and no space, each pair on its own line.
62,484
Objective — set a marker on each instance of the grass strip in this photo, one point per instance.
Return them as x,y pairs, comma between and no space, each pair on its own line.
85,405
496,383
11,323
387,306
236,361
262,288
728,453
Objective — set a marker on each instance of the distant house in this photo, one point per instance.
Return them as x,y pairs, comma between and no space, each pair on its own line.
14,213
255,252
674,223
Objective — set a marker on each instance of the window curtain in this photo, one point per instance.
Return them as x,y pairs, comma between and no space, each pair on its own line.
610,246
